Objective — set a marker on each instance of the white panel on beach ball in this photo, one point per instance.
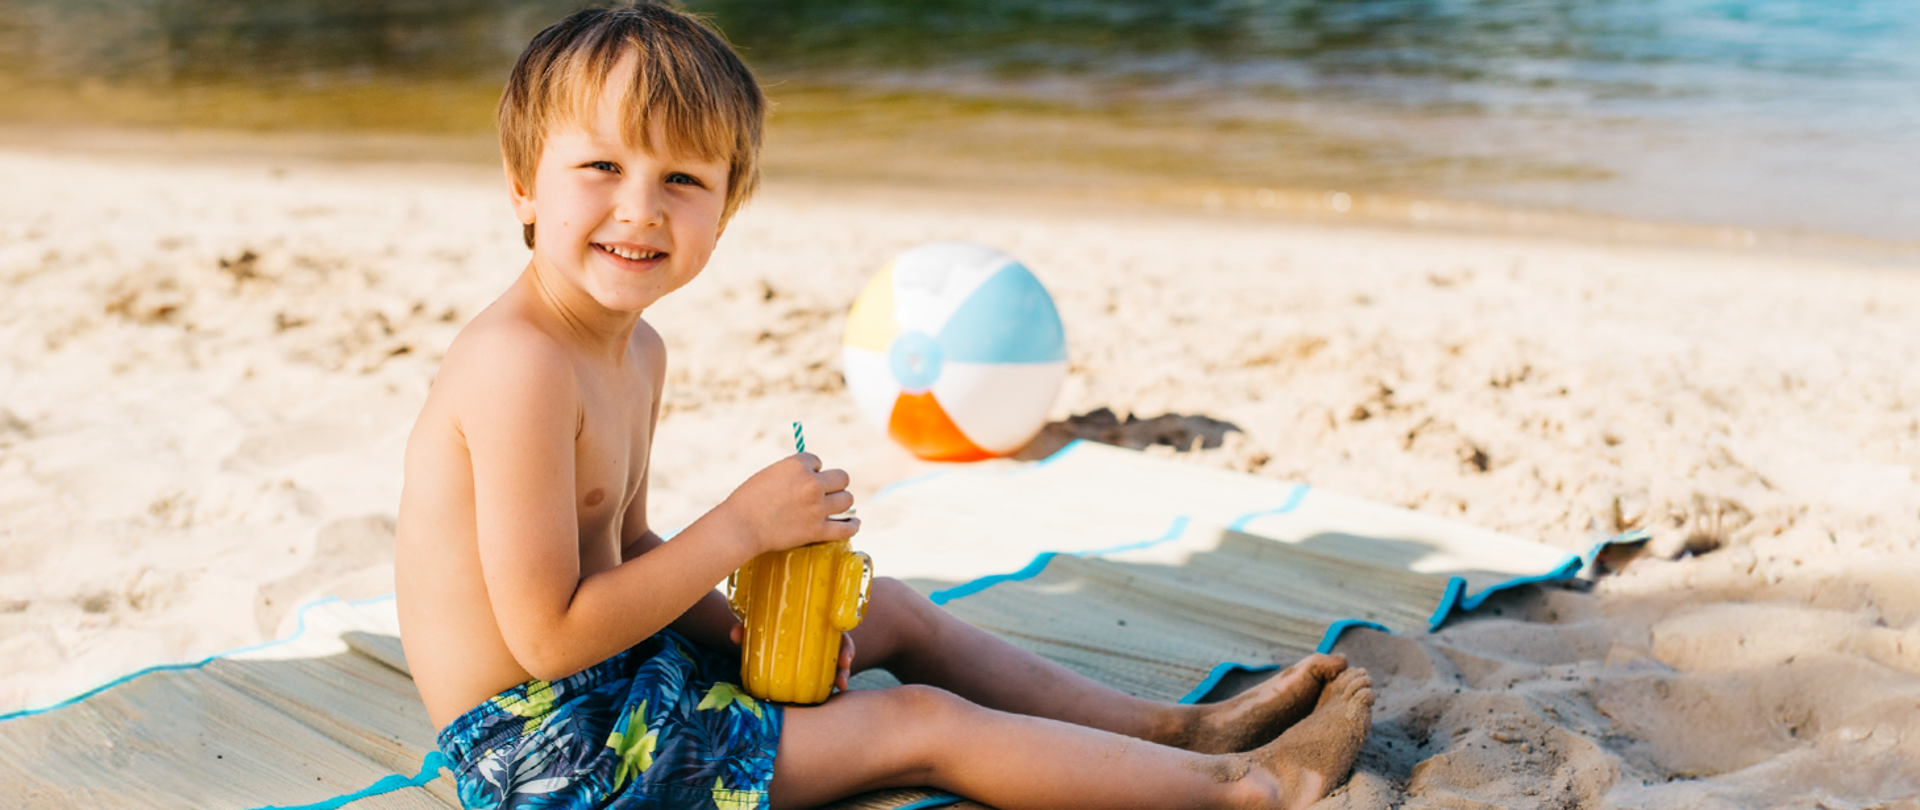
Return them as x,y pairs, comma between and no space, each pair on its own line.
870,382
955,350
999,407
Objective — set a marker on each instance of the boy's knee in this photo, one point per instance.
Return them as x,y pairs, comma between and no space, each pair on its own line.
900,628
928,716
931,713
899,605
928,702
896,594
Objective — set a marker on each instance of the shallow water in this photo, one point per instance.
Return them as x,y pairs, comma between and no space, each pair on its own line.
1769,114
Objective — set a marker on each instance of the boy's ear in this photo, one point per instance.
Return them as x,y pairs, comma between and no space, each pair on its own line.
725,218
522,196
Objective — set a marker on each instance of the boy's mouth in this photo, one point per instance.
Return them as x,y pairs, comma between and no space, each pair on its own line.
632,254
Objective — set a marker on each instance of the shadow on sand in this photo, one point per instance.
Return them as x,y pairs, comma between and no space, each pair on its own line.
1183,432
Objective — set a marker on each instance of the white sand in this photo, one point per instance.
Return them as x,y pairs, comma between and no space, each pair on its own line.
188,450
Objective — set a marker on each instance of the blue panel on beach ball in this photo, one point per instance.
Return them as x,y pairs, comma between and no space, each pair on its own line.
915,358
1009,319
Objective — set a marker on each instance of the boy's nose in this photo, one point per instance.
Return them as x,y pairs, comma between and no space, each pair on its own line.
640,203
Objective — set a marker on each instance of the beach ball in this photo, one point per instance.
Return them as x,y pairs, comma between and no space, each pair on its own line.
956,351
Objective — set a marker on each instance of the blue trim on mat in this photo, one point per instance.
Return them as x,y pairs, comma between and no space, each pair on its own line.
1032,570
430,768
1059,454
933,801
1568,568
1332,636
1294,498
1218,672
1621,539
907,482
1036,465
1174,530
300,629
1039,563
1448,601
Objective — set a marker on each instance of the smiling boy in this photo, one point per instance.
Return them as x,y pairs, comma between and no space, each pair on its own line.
571,658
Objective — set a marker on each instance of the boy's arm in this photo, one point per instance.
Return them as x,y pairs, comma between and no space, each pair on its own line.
710,621
520,416
518,409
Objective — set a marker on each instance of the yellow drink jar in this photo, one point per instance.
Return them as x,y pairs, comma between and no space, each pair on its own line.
795,604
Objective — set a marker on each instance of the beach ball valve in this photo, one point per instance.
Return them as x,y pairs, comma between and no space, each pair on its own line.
956,351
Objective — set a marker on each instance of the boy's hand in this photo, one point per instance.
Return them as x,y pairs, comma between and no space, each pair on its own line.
846,663
739,634
787,505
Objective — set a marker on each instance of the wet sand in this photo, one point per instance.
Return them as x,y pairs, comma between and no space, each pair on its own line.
208,368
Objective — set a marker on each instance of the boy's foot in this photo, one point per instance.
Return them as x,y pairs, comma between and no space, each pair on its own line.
1254,717
1314,757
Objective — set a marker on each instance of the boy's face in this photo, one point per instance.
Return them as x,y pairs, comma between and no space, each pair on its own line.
623,224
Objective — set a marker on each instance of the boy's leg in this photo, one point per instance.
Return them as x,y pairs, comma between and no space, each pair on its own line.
860,741
920,642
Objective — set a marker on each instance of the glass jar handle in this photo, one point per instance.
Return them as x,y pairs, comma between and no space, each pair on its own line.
734,595
850,600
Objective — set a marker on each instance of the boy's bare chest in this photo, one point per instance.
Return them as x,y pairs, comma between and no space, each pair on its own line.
610,452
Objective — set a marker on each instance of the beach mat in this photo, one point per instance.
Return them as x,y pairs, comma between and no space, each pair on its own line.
302,722
1096,499
1161,631
1159,578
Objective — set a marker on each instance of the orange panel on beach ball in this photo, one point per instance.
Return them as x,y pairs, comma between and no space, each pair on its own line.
919,425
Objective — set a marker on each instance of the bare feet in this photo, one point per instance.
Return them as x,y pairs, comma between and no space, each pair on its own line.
1256,716
1315,756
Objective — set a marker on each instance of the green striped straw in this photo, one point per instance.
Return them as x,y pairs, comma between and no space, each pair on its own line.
799,439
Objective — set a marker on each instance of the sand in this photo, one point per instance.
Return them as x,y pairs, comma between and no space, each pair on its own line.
208,368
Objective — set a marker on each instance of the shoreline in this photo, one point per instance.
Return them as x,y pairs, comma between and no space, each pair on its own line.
810,164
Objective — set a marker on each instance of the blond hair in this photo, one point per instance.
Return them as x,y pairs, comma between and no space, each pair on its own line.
686,76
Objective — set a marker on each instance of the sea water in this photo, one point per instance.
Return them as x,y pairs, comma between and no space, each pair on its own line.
1770,114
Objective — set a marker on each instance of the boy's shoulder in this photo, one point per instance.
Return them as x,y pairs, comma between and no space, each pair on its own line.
500,348
503,359
506,379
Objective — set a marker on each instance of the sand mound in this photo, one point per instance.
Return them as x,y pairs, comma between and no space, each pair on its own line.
1557,707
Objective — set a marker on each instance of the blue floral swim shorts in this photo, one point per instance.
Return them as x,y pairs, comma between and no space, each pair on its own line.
658,726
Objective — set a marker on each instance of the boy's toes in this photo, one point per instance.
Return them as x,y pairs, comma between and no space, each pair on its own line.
1315,756
1321,666
1353,685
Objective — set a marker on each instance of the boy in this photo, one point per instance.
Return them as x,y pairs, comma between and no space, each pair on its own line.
573,659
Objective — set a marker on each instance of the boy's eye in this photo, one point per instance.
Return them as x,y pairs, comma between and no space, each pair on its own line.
684,179
605,166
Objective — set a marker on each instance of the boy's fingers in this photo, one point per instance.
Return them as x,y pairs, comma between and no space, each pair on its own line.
808,461
845,672
839,529
835,480
838,502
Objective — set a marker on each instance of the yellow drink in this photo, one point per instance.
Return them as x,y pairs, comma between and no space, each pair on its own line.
795,604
